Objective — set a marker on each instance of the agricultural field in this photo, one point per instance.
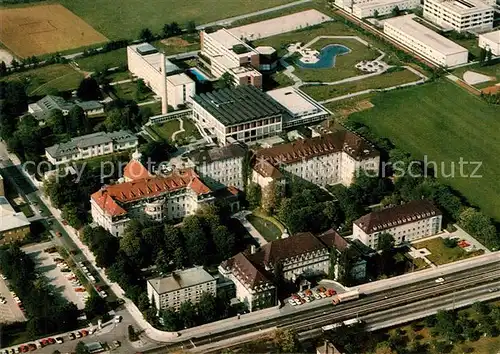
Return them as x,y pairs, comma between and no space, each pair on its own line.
48,79
127,19
457,126
43,29
389,79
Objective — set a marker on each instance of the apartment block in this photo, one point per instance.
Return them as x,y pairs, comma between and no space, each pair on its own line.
224,52
180,286
158,198
369,8
490,41
324,160
91,145
425,42
242,114
220,166
460,15
406,223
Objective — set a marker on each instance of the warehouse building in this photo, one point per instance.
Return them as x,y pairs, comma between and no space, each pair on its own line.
243,113
425,42
460,15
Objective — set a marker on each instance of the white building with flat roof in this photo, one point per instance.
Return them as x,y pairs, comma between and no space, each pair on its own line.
301,108
180,90
223,52
490,41
370,8
181,286
425,42
460,15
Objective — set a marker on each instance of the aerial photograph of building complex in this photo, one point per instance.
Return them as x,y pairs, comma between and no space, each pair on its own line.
266,176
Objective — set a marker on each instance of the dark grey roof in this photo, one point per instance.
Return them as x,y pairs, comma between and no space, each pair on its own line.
217,153
146,48
89,105
50,102
239,105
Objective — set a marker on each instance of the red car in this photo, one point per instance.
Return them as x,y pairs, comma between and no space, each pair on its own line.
24,348
32,346
51,340
84,332
65,222
44,342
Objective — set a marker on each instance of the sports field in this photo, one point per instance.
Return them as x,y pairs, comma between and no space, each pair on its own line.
457,125
125,19
43,29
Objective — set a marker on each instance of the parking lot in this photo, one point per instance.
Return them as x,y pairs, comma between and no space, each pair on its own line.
58,273
320,294
9,312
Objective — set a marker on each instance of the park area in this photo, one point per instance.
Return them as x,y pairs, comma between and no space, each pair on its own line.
165,131
266,228
126,20
441,253
457,127
44,29
385,80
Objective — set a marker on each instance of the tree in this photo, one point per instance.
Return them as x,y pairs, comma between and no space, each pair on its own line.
489,56
146,35
270,197
207,308
71,215
156,151
385,242
131,243
171,320
225,81
481,308
396,11
187,313
446,325
479,226
57,122
375,14
132,336
88,90
3,68
81,348
253,195
197,244
482,55
140,89
191,27
171,29
143,303
77,121
286,340
224,242
95,306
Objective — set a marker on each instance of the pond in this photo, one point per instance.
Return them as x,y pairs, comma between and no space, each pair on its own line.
326,57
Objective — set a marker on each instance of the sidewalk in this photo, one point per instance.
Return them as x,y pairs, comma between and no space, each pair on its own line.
241,217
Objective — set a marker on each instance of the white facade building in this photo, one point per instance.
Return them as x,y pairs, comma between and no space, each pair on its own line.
158,198
490,41
180,90
369,8
91,145
324,160
181,286
220,165
406,223
301,108
146,62
243,113
425,42
227,53
460,15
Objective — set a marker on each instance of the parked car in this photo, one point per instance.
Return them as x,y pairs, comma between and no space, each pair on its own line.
439,280
71,336
118,319
78,335
32,346
59,340
103,294
84,332
116,344
51,340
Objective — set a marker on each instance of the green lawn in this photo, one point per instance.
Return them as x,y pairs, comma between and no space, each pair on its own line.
165,130
119,76
48,79
26,209
181,44
155,107
440,254
266,228
490,70
324,92
445,123
281,80
127,91
104,61
126,18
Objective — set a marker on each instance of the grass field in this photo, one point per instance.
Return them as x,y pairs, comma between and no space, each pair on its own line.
165,130
324,92
104,61
45,80
457,125
440,254
177,45
490,70
344,64
42,29
266,228
126,19
127,91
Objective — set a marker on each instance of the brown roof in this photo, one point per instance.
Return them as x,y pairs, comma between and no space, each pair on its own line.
246,271
108,197
331,238
265,169
399,215
341,140
135,170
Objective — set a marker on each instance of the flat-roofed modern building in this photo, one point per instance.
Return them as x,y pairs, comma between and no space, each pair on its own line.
243,113
91,145
490,41
301,108
407,222
146,62
370,8
460,15
180,90
181,286
425,42
227,53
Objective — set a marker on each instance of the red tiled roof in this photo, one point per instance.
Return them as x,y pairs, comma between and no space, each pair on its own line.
246,271
135,170
399,215
108,197
331,238
265,169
